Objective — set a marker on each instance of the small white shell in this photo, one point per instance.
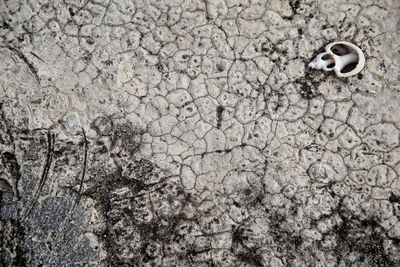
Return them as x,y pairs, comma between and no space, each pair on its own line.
345,58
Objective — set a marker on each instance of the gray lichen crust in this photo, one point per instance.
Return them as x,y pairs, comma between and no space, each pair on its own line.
193,133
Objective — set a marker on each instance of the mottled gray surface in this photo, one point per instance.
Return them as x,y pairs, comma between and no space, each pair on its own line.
192,133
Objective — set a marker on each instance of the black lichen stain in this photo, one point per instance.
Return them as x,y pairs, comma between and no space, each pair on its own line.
12,251
71,12
250,257
158,230
307,85
220,67
140,183
244,253
294,5
287,242
220,110
9,160
364,238
6,192
11,244
394,198
146,250
127,137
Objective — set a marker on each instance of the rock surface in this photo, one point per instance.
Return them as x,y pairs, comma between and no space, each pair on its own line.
192,133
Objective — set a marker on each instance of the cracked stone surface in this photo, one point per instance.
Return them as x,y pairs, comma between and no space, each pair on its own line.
192,133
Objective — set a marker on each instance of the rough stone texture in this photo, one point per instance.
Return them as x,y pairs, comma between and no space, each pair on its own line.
192,133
